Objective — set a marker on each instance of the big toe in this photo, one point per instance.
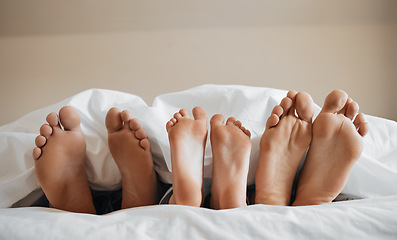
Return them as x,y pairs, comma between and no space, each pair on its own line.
217,119
335,101
69,118
304,106
113,120
199,113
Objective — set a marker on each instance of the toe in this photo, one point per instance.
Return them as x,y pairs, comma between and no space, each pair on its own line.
247,132
69,118
278,110
304,106
145,144
36,153
343,110
40,141
272,121
335,101
46,130
135,124
169,125
184,112
125,117
238,124
351,110
199,113
113,120
361,124
140,134
286,104
291,94
177,116
231,120
217,119
52,119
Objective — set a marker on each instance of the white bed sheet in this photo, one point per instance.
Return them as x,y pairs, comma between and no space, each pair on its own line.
373,177
357,219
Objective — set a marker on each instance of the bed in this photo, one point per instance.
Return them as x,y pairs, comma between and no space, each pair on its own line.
367,207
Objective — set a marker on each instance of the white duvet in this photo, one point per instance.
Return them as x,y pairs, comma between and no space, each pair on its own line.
373,178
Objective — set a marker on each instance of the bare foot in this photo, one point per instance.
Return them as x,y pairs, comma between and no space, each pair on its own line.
231,148
60,163
187,141
130,148
282,147
337,144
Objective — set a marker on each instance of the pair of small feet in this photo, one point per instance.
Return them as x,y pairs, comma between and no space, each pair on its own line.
231,148
60,161
335,144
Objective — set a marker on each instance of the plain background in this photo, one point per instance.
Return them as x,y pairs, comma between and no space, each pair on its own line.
50,50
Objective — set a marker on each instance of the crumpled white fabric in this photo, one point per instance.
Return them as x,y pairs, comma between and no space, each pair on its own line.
374,175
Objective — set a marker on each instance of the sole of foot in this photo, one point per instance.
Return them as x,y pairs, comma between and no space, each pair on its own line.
231,149
187,139
337,144
60,162
130,148
286,138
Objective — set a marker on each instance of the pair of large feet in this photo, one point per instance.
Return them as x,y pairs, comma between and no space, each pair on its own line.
60,161
231,147
335,140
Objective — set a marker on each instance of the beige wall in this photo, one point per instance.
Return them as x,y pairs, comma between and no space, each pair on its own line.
50,50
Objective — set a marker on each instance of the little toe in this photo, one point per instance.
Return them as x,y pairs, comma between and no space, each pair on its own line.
272,121
46,130
231,120
169,125
217,119
140,134
361,124
199,113
247,132
36,153
69,118
304,106
335,101
40,141
125,117
352,110
113,120
286,104
53,119
135,124
145,144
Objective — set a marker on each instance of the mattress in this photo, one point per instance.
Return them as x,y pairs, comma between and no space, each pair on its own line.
372,182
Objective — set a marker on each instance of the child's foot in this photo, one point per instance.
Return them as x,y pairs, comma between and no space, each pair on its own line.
337,144
187,141
60,165
130,148
231,148
282,146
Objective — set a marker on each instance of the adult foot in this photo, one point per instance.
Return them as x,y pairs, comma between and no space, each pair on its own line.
60,163
231,148
286,138
130,148
187,141
337,144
